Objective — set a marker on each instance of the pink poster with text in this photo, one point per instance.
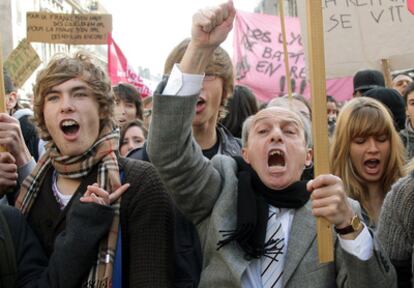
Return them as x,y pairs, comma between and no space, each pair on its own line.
259,58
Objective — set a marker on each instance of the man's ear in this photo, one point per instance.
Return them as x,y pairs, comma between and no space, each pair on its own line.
309,157
11,100
245,154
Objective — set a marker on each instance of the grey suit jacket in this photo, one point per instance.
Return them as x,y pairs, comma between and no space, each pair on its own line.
206,191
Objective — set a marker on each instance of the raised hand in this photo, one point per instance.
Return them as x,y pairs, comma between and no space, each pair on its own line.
11,138
8,172
95,194
209,29
211,25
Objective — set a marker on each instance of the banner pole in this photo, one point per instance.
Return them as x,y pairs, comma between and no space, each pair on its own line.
387,72
2,91
285,50
316,52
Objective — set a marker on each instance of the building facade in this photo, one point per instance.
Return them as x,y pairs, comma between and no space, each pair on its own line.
272,7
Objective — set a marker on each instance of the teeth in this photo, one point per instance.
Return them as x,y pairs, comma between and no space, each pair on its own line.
68,123
276,153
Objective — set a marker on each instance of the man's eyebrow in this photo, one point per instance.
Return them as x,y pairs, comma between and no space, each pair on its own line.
282,121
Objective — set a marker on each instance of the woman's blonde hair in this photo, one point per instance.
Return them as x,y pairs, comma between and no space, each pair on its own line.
364,117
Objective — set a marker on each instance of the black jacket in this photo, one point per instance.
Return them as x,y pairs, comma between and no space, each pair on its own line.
146,219
188,258
33,268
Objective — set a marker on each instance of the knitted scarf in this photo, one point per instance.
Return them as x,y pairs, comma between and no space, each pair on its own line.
253,200
101,153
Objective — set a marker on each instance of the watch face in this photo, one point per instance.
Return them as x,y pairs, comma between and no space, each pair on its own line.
355,222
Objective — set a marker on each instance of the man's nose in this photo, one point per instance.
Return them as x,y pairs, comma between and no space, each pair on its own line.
276,134
66,104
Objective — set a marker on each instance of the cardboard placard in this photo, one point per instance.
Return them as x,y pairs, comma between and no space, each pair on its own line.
359,33
22,62
68,28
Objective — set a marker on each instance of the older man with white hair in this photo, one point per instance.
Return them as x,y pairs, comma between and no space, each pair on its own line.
254,217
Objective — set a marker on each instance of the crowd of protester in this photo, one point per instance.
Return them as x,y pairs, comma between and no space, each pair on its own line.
200,185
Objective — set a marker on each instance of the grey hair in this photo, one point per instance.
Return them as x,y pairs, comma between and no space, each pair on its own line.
247,124
246,129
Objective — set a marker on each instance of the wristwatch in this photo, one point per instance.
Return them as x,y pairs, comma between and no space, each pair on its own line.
355,225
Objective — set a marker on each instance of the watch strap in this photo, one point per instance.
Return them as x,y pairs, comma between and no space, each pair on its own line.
346,230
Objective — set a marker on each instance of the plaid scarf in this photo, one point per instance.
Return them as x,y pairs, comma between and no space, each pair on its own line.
104,153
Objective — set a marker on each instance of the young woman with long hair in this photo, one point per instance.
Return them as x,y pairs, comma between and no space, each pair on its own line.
367,153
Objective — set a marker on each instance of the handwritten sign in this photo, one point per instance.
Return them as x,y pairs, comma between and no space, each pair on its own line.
258,55
22,62
359,33
68,28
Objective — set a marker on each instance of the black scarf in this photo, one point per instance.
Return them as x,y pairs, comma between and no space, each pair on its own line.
252,210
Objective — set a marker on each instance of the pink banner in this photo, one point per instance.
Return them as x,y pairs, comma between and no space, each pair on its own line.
340,88
120,71
259,58
410,5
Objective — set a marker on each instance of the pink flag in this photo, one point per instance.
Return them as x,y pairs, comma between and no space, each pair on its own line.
410,4
120,71
259,60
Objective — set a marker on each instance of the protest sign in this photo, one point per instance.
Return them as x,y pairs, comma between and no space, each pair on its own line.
359,33
22,62
259,61
258,54
68,28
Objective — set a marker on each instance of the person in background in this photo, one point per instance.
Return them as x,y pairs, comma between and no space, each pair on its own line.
128,105
133,135
253,215
407,134
400,82
366,80
209,133
24,115
367,153
241,105
147,104
81,168
332,112
391,99
396,227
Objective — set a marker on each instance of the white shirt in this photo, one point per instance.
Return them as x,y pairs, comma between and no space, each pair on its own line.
361,247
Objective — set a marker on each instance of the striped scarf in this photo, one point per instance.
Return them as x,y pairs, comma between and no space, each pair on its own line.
104,153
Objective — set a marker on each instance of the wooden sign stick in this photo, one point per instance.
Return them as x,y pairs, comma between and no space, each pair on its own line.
2,91
285,50
387,72
316,52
